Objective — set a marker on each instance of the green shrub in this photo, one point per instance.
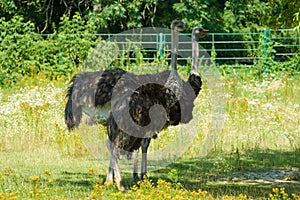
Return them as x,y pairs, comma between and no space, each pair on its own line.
23,52
16,42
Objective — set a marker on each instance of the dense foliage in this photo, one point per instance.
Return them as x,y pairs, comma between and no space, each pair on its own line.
120,15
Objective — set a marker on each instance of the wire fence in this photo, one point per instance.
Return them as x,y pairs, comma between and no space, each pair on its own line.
227,48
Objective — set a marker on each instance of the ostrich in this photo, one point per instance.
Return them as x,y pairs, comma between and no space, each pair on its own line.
91,92
175,95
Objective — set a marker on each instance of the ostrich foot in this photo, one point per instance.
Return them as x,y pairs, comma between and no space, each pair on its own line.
110,176
120,186
110,180
135,177
143,176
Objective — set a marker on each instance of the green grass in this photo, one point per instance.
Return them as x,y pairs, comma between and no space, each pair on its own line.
261,132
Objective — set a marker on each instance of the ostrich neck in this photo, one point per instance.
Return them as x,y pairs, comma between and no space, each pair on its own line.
174,47
174,81
195,55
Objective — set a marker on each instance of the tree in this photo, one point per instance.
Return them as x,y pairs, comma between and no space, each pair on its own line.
283,13
253,15
43,13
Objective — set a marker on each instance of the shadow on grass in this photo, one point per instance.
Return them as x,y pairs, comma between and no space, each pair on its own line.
206,173
86,181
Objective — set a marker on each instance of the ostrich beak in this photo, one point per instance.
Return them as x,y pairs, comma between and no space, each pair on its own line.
202,32
181,27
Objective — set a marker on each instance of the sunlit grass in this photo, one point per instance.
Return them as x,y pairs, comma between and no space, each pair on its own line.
40,159
263,115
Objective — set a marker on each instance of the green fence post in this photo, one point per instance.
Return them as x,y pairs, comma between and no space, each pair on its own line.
213,50
161,53
265,50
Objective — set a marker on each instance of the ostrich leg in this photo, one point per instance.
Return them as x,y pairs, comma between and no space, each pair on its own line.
117,174
110,175
113,170
145,145
135,176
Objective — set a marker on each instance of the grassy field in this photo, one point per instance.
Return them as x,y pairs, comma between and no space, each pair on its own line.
260,133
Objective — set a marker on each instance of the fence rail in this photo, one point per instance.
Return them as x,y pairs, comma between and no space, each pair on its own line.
229,48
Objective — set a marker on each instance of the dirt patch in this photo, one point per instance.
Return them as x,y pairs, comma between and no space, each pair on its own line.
269,177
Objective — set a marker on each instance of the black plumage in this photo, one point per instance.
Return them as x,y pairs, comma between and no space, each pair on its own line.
89,92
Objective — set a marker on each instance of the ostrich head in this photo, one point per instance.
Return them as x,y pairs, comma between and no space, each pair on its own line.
199,32
177,25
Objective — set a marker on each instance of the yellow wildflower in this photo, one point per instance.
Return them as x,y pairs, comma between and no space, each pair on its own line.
128,196
194,193
108,183
275,190
296,197
91,171
227,198
93,195
134,187
47,172
31,192
242,197
167,196
2,196
178,197
13,195
34,179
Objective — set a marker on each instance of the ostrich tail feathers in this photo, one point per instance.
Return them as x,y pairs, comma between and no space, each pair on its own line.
69,115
